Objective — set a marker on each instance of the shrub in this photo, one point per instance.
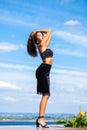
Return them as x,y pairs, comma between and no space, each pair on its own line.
78,121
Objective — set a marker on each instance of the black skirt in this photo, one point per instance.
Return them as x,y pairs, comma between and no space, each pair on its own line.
43,79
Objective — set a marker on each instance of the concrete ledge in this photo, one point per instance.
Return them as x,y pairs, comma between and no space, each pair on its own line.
34,128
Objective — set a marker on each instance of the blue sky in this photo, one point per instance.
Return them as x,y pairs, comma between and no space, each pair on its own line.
68,21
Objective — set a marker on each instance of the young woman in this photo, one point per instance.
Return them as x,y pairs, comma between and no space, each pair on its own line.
41,39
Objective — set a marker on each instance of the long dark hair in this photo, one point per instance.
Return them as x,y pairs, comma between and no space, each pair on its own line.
31,45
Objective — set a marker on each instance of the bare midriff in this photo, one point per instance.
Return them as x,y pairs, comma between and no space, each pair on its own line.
48,61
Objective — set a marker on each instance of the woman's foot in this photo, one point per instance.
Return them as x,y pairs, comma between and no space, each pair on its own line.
41,121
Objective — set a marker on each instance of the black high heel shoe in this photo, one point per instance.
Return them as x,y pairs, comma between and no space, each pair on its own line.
37,123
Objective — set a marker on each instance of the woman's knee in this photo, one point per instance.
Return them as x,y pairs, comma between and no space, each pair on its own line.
46,96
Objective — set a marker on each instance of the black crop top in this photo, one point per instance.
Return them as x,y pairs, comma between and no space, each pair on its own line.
47,53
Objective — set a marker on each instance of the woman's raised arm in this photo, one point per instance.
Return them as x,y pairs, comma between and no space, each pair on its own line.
46,38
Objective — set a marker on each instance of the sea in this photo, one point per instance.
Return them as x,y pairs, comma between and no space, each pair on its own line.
8,119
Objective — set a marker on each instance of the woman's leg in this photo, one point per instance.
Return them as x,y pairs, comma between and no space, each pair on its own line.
42,108
43,104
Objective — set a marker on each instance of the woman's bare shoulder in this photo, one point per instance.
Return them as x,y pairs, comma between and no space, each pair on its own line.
41,48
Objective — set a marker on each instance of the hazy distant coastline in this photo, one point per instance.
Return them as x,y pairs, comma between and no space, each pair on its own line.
30,118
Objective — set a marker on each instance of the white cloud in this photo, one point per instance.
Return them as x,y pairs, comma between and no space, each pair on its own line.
9,18
7,85
80,101
72,22
71,52
79,43
69,79
7,47
9,99
16,66
69,72
72,38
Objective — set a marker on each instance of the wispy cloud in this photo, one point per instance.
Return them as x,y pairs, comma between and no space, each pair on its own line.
16,66
80,101
69,84
77,53
67,67
72,38
70,78
7,85
9,99
70,72
7,47
72,22
8,17
78,42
